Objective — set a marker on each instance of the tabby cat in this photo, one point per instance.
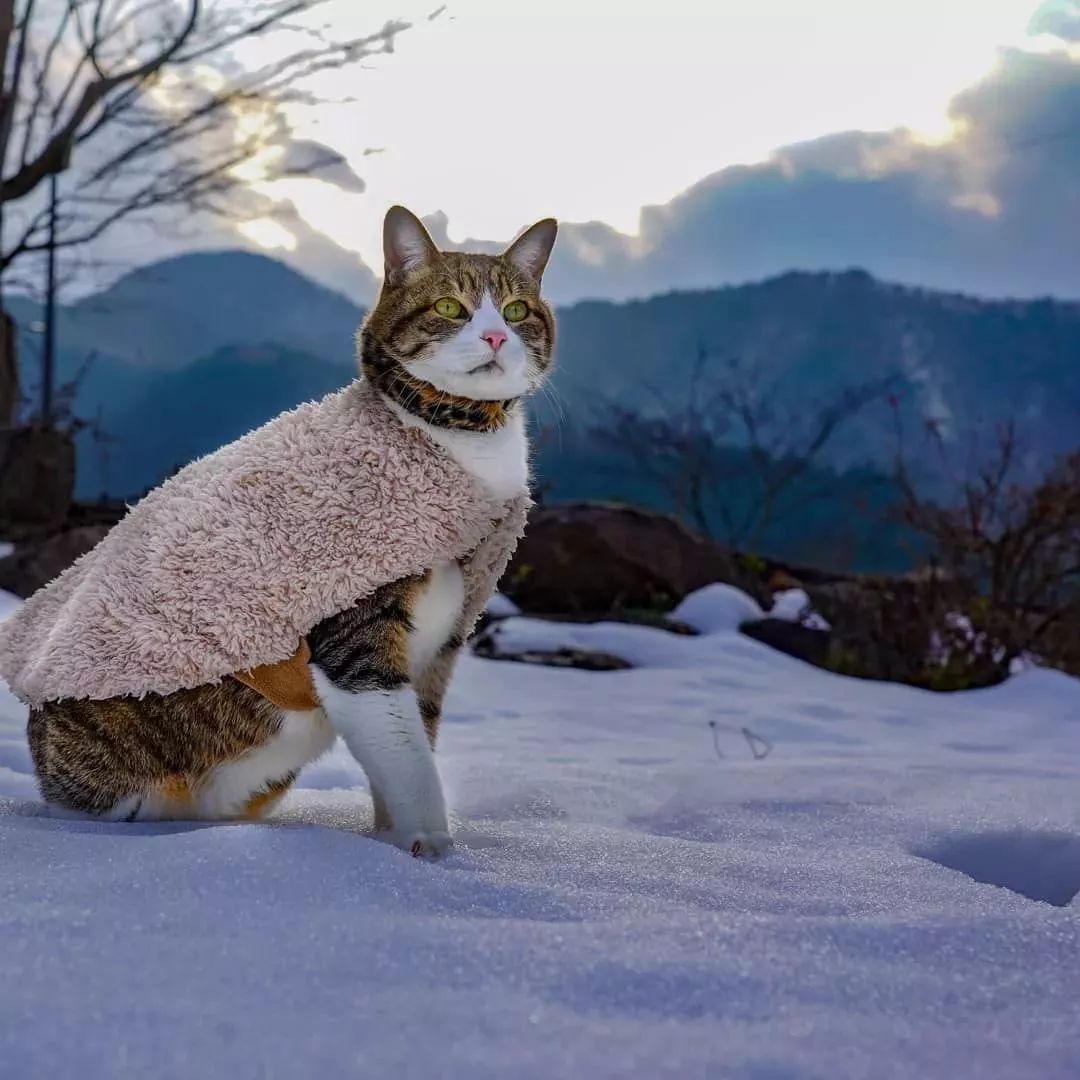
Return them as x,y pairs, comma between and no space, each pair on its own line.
454,342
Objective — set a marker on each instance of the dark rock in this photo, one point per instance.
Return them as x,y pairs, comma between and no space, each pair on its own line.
581,659
37,481
601,558
103,512
802,642
486,645
36,563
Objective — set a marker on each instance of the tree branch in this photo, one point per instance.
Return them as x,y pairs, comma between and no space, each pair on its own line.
56,154
10,100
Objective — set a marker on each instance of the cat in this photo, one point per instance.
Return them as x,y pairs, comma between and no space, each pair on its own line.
453,344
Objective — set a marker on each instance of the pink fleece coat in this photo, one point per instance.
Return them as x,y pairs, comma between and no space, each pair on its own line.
226,565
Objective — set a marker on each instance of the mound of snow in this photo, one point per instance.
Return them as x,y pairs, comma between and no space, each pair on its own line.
717,608
793,605
501,607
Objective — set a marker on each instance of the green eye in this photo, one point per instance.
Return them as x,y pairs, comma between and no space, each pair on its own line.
515,311
449,308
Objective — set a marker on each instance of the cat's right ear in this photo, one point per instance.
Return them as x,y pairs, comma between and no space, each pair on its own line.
407,246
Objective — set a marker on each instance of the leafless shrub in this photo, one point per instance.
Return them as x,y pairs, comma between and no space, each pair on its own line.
731,426
1000,585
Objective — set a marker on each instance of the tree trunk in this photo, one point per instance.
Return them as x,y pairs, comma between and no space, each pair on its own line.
9,370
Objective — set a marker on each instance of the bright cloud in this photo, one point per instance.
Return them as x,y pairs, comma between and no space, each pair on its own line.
501,112
268,234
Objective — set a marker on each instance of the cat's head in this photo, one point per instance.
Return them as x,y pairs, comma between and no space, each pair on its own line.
471,327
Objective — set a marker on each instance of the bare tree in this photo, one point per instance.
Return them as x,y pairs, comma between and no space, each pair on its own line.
1011,547
730,425
1000,579
144,104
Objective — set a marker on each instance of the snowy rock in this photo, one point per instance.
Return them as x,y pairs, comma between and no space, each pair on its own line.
789,604
717,608
794,605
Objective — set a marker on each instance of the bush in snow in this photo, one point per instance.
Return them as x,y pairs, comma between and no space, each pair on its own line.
1002,585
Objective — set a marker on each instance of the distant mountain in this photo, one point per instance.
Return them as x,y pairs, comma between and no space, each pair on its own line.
180,415
183,355
172,313
803,338
958,369
192,352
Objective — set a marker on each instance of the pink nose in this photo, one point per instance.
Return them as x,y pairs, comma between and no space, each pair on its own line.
494,338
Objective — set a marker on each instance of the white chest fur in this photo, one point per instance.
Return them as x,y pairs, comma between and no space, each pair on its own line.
435,615
498,459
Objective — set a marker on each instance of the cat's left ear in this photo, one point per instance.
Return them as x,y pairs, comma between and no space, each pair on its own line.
532,249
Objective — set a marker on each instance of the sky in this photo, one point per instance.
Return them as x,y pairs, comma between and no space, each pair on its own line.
683,146
498,113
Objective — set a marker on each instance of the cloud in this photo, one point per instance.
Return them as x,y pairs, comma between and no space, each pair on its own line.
1058,17
994,209
317,255
305,157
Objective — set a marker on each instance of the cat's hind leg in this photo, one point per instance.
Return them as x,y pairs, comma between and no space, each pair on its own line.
250,785
169,800
218,751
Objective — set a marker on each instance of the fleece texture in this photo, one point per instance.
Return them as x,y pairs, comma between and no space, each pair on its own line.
225,566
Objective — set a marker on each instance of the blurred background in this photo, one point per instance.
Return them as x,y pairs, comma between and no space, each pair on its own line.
817,278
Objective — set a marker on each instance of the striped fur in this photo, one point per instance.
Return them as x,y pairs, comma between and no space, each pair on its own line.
92,755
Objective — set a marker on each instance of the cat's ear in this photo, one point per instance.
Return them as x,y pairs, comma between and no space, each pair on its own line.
532,249
407,246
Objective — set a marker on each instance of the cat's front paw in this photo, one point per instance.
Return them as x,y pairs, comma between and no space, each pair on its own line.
424,845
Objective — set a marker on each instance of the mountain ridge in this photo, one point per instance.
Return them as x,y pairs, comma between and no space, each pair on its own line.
204,300
802,337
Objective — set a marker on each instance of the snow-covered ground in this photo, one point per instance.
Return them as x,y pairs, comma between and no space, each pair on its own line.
623,901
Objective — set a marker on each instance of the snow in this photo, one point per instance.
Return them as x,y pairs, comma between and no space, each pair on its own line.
8,603
789,604
793,605
884,895
500,606
641,646
716,608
